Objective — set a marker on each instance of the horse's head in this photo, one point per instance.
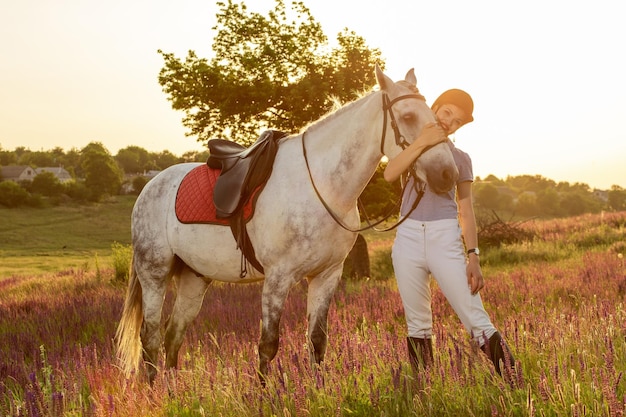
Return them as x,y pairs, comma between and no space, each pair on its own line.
406,114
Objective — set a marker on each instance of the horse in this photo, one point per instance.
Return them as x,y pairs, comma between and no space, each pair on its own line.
310,199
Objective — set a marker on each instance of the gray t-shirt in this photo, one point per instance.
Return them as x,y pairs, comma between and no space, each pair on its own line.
435,206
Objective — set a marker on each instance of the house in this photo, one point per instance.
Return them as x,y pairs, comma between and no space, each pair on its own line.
151,173
18,173
602,195
59,172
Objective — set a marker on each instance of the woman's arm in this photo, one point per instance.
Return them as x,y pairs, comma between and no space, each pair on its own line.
467,220
431,135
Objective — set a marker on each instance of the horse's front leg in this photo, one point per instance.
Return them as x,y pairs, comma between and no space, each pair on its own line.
275,290
321,290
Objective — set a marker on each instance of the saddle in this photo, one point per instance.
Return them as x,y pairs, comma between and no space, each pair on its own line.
244,172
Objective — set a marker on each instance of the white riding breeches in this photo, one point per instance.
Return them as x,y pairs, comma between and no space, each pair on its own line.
436,247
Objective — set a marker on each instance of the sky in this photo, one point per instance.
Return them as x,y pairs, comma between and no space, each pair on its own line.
548,77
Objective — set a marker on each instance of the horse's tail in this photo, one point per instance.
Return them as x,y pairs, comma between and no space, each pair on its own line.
129,329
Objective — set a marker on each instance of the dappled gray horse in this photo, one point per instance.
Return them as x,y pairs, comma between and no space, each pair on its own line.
317,175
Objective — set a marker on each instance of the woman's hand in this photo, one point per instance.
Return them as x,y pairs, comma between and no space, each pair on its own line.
432,134
475,278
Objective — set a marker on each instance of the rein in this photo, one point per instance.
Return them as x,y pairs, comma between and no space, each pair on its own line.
401,142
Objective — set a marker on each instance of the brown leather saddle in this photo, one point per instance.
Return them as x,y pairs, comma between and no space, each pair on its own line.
244,172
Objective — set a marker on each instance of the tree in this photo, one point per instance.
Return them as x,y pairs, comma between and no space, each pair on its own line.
548,202
266,73
37,159
195,156
138,183
487,196
379,197
12,195
527,204
7,158
532,183
133,159
102,174
47,184
166,159
617,198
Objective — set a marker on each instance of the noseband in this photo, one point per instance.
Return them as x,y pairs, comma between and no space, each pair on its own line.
400,141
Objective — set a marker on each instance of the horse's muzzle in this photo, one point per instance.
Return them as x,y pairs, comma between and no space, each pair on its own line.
443,180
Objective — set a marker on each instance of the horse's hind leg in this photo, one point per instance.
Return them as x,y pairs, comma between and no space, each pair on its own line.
190,290
320,294
154,286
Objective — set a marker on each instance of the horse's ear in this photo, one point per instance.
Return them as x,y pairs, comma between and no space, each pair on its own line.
410,77
383,81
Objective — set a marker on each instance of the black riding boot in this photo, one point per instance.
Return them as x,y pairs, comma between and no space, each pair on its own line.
420,352
498,351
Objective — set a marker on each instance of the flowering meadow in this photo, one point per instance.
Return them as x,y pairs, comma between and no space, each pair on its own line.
558,300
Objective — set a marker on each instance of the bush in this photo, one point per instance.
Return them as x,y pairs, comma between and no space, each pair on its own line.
47,184
122,255
382,266
77,190
357,263
138,183
12,195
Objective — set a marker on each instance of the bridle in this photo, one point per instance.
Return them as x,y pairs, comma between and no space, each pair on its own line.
387,108
402,143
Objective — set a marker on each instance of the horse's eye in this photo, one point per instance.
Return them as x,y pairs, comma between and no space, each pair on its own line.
409,117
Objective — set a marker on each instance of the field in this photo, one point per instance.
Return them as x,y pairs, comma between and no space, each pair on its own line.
36,241
558,299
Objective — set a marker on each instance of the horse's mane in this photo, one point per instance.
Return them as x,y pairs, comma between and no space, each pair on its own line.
339,106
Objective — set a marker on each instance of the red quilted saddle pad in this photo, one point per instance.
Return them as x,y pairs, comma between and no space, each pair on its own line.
194,200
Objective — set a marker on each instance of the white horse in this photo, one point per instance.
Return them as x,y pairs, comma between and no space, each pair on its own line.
323,170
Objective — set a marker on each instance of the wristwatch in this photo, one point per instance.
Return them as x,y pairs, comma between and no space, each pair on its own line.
474,251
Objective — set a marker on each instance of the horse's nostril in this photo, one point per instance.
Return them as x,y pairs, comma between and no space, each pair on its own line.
447,176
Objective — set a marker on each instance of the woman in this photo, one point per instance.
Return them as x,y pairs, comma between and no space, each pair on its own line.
439,237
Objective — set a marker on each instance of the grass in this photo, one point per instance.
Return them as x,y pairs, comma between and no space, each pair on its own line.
36,241
558,300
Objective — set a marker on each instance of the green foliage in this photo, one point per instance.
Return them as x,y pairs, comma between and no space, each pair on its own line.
77,190
552,241
487,196
122,255
268,71
97,173
527,205
47,184
617,198
37,158
165,159
563,316
7,158
138,183
134,160
12,195
102,174
62,237
379,197
547,202
382,266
